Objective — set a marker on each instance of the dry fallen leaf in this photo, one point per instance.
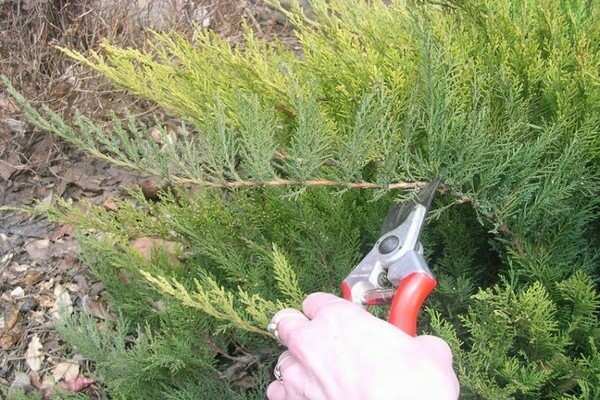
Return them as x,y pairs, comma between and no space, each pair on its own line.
21,381
10,339
10,166
44,300
34,355
6,258
47,285
62,231
77,384
38,249
145,245
33,277
67,371
63,303
35,380
67,262
8,105
95,289
96,307
39,317
16,126
11,317
10,335
109,204
71,287
48,384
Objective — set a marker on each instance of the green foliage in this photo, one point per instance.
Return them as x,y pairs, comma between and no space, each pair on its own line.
500,98
537,339
155,347
205,314
138,364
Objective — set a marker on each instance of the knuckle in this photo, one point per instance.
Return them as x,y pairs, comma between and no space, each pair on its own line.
338,310
296,341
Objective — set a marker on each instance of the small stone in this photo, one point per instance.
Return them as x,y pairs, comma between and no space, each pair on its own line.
150,190
17,293
28,304
159,305
21,267
155,135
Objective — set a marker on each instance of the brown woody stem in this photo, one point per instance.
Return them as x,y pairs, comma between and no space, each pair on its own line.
309,183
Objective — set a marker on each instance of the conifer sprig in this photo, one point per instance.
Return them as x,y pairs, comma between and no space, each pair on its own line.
286,279
239,309
214,300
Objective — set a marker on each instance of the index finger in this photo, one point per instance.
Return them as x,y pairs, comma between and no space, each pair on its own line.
315,302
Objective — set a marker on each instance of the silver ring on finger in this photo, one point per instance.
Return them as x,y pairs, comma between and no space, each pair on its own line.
272,327
277,370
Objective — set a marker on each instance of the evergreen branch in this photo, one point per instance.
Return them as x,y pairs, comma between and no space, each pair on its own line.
286,278
209,298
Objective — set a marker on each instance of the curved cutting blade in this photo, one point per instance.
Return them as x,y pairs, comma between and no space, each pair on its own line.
399,212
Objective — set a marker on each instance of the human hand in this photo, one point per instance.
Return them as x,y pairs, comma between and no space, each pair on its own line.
337,350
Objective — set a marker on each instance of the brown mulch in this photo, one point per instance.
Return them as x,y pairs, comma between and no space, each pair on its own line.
40,271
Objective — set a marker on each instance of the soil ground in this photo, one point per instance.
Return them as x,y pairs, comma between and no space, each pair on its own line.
39,266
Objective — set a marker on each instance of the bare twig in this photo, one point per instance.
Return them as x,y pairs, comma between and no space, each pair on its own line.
308,183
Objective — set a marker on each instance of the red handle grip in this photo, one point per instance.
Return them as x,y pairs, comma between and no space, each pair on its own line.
410,295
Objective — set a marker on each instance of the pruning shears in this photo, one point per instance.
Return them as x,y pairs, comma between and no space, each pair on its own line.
395,271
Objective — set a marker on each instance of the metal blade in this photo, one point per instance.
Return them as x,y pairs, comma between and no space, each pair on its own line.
399,212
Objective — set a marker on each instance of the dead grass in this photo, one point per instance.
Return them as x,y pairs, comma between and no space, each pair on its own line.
30,30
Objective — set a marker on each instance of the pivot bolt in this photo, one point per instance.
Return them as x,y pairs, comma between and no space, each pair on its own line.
389,244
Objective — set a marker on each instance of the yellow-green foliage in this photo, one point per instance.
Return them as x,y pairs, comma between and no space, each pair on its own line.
242,310
501,98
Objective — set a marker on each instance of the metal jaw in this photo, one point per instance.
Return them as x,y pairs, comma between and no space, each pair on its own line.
396,254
